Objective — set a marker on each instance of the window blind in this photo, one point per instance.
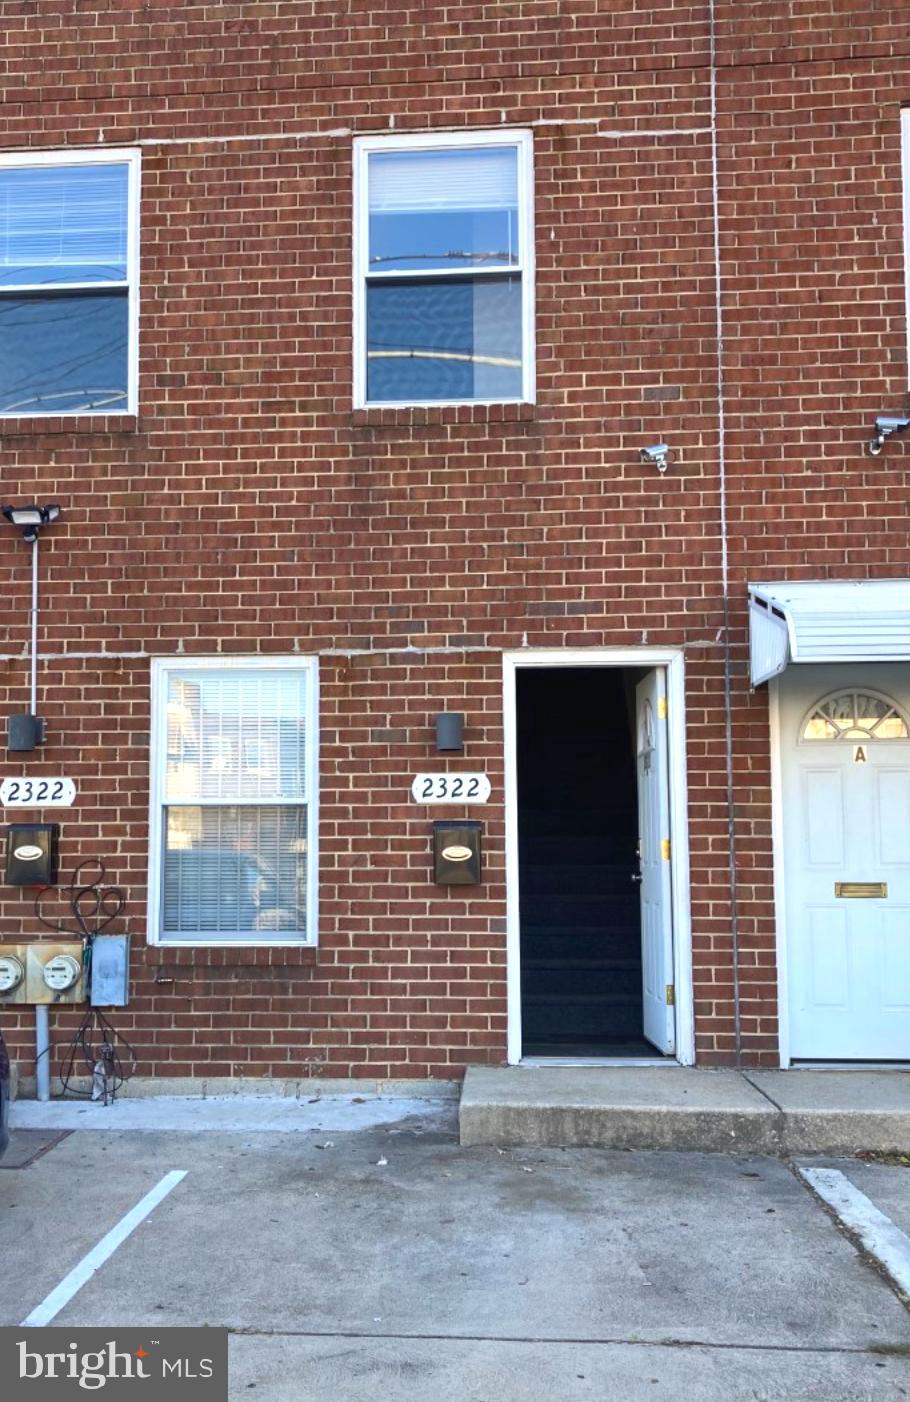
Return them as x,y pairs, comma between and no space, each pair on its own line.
474,177
65,223
235,871
236,737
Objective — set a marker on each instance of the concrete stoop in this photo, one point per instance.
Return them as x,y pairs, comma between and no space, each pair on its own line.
675,1107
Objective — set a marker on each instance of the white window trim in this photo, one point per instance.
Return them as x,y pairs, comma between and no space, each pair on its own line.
131,158
161,668
363,147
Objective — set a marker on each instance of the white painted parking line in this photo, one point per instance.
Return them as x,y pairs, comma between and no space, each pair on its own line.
81,1274
878,1234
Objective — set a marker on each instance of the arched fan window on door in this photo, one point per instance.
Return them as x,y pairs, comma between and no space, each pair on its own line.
855,715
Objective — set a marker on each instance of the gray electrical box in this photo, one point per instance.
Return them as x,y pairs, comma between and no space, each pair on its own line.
110,971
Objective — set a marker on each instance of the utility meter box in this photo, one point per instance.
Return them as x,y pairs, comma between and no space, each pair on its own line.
13,962
109,972
55,972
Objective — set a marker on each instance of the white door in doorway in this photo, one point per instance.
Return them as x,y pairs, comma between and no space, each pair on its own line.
845,743
654,856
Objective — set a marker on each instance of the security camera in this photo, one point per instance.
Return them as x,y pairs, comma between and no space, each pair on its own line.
885,427
657,455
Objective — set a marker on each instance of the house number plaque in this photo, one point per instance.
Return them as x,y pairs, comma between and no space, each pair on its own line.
37,793
450,788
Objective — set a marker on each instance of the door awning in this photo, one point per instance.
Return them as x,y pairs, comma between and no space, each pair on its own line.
858,620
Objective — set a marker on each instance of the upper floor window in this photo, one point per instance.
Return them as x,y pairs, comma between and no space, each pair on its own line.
69,283
444,251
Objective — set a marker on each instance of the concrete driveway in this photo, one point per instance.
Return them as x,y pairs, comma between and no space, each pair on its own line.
386,1262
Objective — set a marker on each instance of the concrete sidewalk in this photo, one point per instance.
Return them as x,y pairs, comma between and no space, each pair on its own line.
674,1107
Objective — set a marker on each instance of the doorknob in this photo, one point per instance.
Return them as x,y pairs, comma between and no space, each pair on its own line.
633,877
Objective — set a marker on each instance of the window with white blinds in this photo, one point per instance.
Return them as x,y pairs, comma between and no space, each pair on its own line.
68,283
444,248
233,807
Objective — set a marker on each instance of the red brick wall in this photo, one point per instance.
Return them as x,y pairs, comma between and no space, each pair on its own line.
249,509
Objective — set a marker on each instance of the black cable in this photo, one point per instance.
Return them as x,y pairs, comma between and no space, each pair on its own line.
92,908
105,1051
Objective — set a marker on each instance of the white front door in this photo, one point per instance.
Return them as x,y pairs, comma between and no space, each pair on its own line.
845,745
654,856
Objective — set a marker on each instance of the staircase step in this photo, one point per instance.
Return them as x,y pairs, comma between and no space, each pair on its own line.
594,965
621,911
574,849
594,1018
598,984
611,878
578,822
598,946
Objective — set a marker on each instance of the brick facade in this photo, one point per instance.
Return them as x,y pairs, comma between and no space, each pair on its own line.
249,509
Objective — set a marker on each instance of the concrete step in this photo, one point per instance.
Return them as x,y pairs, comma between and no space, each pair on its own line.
674,1107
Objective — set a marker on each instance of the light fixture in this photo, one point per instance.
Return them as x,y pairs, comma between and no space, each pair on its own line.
657,455
885,427
25,732
30,519
450,732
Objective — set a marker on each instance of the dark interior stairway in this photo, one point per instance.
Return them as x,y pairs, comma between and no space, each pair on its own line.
578,834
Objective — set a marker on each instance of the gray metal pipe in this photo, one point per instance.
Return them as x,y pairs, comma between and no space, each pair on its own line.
34,658
42,1052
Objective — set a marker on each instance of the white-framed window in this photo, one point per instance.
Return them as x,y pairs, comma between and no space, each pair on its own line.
69,282
233,821
444,268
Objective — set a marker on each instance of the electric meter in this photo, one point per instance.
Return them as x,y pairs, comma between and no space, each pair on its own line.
12,972
62,972
54,972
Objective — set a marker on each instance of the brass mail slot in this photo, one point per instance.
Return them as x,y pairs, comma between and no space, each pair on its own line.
861,890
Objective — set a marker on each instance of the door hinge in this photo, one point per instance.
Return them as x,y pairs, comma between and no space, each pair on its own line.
663,709
665,848
671,995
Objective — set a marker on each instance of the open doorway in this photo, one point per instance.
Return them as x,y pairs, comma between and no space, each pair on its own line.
596,923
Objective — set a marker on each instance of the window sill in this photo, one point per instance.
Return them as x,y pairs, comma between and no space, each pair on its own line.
482,412
228,956
41,425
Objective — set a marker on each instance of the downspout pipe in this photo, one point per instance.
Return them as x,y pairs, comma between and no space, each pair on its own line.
724,550
42,1015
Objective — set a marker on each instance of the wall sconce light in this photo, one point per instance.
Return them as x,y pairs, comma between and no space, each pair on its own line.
450,732
658,455
26,732
885,428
